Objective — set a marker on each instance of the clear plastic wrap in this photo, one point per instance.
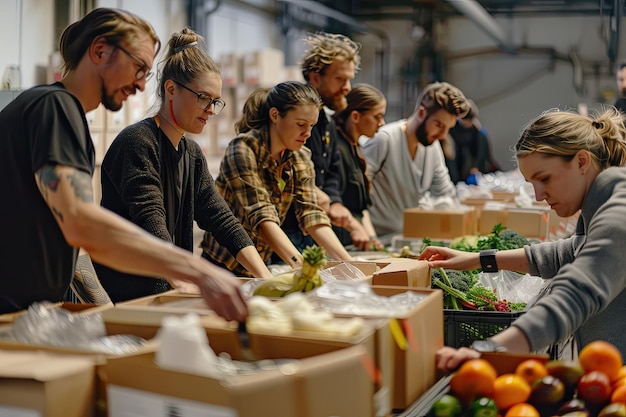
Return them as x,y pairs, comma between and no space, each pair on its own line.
513,286
47,325
346,298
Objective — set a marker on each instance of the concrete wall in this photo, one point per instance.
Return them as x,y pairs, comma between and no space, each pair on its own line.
509,89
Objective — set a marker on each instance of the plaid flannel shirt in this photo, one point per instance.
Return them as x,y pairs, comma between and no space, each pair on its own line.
248,181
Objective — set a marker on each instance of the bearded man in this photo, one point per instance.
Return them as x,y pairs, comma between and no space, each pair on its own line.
405,160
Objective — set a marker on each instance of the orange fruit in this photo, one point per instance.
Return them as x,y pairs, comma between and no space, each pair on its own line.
522,410
601,356
531,370
510,389
618,383
619,395
474,378
622,373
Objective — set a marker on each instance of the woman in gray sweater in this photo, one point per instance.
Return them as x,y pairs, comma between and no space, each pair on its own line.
574,163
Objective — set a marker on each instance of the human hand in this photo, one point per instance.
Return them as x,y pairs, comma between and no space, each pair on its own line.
184,287
448,358
340,215
221,290
442,257
360,237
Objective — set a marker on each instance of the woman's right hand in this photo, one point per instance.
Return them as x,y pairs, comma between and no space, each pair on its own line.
448,358
442,257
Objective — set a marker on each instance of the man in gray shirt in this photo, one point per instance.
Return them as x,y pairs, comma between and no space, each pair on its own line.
405,160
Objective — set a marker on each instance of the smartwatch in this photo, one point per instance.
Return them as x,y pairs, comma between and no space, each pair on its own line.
487,345
488,260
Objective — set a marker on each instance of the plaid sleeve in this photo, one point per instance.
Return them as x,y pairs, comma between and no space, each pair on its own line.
245,178
308,212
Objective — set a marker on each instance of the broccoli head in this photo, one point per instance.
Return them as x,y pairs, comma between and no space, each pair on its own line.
458,279
510,239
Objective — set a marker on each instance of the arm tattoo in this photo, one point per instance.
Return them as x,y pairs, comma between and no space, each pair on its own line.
48,177
81,182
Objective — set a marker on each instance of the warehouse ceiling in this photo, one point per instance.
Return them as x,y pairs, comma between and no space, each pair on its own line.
391,9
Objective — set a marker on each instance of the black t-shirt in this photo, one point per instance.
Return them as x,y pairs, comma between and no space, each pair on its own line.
43,125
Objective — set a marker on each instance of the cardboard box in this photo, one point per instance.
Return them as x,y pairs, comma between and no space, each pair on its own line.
415,338
76,308
264,68
402,272
435,224
333,384
532,223
143,317
50,385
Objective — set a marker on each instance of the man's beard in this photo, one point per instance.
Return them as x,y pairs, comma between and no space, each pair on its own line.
335,103
108,101
421,134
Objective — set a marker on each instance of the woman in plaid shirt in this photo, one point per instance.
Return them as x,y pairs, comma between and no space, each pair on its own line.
266,169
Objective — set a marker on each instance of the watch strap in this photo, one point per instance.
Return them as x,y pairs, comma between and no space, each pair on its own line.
488,260
487,345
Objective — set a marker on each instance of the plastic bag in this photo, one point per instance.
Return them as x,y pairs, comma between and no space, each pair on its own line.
513,286
342,272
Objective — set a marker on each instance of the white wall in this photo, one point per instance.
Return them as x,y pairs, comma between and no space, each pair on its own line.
29,32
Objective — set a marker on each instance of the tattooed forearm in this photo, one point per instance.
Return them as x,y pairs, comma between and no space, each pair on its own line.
81,182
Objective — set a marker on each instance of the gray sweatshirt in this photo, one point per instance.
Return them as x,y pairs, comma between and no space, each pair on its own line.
587,273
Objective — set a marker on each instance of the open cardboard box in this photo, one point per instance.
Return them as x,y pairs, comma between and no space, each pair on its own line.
331,384
98,407
144,318
415,338
77,308
46,384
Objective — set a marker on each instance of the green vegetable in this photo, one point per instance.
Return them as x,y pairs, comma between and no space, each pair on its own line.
465,243
452,296
446,406
500,238
484,407
510,239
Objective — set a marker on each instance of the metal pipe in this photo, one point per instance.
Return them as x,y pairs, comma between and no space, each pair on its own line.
475,12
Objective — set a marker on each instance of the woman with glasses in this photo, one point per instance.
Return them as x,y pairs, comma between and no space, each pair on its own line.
157,178
266,170
364,114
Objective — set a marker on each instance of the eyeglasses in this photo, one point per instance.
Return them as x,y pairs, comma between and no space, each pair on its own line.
141,72
204,101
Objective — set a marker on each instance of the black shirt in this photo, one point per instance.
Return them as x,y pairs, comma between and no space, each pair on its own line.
43,125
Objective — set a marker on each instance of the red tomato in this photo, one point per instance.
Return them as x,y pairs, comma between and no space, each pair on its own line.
594,387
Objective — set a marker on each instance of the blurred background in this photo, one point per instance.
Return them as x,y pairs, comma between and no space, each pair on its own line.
514,58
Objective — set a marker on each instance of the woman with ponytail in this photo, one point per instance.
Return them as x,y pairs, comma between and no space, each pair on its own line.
267,169
159,179
575,164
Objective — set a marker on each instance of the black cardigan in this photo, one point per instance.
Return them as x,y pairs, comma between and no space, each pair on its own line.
133,188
